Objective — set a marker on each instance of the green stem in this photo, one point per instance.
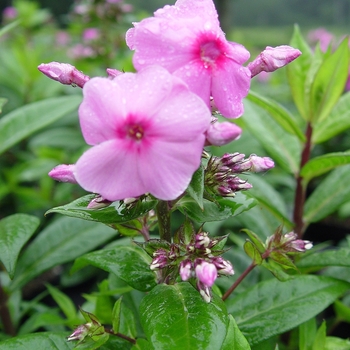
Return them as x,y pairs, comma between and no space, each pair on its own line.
5,315
163,214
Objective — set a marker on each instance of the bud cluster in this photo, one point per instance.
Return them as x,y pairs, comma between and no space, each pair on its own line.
198,261
287,243
221,173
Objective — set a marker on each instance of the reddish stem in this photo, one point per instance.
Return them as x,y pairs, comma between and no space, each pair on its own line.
130,340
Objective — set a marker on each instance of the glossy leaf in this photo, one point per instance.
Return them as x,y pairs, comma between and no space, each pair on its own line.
129,263
329,83
278,113
196,187
116,315
297,72
281,146
332,257
62,241
335,123
271,307
142,344
322,164
34,116
42,340
221,209
15,231
116,213
234,340
329,195
176,317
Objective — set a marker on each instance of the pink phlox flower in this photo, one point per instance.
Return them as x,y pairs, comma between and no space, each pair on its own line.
322,36
147,132
187,40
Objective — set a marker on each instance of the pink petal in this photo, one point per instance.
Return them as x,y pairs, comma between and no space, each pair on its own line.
230,85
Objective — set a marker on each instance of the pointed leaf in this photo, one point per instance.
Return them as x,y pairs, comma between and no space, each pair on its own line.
278,307
116,315
252,251
320,339
15,231
60,242
234,340
118,212
196,187
256,240
329,195
222,209
34,116
282,259
176,317
129,263
334,343
278,113
307,333
298,70
283,147
322,164
336,122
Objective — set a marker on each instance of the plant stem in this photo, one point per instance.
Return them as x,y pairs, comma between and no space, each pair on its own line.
163,214
300,192
5,315
239,280
131,340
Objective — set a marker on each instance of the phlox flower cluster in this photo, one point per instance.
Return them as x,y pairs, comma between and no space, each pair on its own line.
148,129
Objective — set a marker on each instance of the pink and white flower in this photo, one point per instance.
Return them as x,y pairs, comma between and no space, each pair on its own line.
187,40
147,131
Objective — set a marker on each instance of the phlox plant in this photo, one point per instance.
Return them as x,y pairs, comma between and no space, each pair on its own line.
169,191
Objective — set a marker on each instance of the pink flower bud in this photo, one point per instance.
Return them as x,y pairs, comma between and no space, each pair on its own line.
112,73
90,34
204,291
261,163
206,273
185,270
64,73
160,259
223,266
219,134
98,203
9,13
80,332
202,240
273,58
63,173
301,245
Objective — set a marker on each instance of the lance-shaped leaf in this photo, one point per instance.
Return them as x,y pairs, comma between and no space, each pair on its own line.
253,252
329,195
329,83
336,122
129,263
322,164
256,240
34,116
176,317
15,231
196,187
272,307
234,340
278,113
116,213
297,72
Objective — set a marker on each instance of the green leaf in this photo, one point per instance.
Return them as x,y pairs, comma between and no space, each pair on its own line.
41,320
116,213
196,187
329,83
34,116
15,231
234,340
116,315
62,241
297,72
283,147
277,270
252,251
3,101
320,339
278,113
129,263
333,257
176,317
282,259
142,344
256,240
334,343
222,209
271,307
63,301
9,27
42,340
329,195
336,122
307,333
322,164
342,311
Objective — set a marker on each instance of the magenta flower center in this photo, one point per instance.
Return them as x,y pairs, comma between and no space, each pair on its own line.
210,51
135,132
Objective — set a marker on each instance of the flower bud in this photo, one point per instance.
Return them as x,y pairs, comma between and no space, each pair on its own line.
206,272
204,291
260,164
273,58
219,134
80,332
185,270
160,259
63,173
64,73
202,240
223,266
112,73
98,203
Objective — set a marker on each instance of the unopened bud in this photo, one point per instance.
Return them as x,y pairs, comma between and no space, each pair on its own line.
98,203
206,273
64,73
80,333
63,173
219,134
112,73
223,266
185,270
273,58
